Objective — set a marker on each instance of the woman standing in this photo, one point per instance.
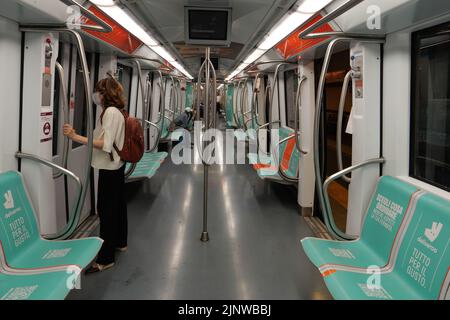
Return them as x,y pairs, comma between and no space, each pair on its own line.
111,202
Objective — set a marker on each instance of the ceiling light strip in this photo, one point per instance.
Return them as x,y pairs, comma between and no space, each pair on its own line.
288,24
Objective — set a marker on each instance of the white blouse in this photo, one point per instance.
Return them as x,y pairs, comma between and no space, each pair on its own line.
112,129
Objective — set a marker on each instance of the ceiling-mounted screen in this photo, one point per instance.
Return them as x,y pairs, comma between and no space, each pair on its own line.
208,26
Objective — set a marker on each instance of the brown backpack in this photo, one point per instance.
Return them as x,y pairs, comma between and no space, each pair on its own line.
133,144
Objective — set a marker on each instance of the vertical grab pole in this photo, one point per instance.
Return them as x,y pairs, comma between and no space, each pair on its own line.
214,91
341,108
132,167
161,112
205,235
65,107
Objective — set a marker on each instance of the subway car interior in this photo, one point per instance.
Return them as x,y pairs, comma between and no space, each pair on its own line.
288,149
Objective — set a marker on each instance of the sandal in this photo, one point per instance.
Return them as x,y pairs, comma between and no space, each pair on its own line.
98,268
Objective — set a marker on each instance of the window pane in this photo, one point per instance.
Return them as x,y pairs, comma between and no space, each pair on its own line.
124,77
431,107
291,83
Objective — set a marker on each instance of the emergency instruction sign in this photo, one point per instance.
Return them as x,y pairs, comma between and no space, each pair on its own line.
46,126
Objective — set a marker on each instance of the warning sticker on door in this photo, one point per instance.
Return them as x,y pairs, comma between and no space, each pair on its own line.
46,126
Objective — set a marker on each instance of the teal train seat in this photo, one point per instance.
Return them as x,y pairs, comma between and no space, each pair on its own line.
403,252
165,133
381,228
147,167
283,159
42,286
20,239
240,135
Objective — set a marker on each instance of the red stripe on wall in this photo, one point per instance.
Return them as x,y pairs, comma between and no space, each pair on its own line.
293,45
119,37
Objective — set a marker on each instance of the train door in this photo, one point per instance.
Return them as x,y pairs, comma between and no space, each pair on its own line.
125,76
338,190
41,126
78,115
357,112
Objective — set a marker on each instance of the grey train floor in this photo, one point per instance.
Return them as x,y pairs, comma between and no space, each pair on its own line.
254,251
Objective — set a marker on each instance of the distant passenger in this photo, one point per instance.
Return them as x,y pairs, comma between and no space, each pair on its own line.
184,119
111,204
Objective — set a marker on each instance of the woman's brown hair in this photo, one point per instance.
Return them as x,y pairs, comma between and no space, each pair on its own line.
112,92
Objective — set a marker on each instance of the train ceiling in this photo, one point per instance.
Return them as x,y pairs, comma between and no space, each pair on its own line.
251,19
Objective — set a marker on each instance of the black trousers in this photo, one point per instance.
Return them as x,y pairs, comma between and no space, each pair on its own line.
112,210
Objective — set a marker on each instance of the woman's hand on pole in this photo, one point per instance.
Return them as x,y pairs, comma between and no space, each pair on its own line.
69,131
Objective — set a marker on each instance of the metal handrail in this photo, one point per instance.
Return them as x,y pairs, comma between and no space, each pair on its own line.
257,132
297,107
162,98
66,116
213,95
267,94
269,62
72,225
307,33
347,79
101,26
275,86
171,96
179,95
240,95
144,96
255,107
63,171
329,219
134,57
317,121
244,100
282,174
149,106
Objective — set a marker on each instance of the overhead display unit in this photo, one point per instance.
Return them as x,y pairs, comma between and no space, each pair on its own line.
208,26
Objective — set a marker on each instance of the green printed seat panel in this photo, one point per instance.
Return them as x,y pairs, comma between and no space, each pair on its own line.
240,135
322,252
263,159
386,213
44,286
269,173
149,163
346,285
423,260
20,238
283,132
294,161
46,253
421,264
153,156
147,170
252,134
165,128
229,107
